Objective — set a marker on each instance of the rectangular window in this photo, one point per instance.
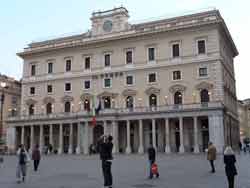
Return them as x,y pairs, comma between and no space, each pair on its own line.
107,82
107,60
87,84
49,89
201,47
203,72
32,90
151,54
129,58
67,87
33,70
129,80
50,68
176,50
87,63
14,100
68,65
152,78
176,75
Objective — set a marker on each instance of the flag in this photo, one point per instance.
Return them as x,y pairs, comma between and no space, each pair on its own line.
93,122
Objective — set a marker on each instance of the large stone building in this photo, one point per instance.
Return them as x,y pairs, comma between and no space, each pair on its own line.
169,82
244,118
10,100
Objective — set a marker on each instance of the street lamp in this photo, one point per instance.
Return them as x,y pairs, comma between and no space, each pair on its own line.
3,85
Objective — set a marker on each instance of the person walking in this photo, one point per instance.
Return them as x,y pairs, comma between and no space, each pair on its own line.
36,157
230,169
21,167
211,155
151,158
105,147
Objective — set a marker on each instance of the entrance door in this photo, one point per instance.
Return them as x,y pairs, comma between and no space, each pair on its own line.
177,141
205,139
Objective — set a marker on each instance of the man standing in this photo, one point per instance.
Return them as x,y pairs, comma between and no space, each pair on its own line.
36,156
106,147
211,155
151,158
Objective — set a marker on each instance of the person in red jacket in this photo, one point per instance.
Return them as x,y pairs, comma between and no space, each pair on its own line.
36,157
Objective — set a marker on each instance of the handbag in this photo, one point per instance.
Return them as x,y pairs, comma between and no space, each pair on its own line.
154,168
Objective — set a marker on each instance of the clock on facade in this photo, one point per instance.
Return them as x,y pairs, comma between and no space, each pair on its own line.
107,26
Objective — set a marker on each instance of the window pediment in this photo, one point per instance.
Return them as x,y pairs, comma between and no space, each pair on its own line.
152,90
177,87
31,101
204,85
67,98
129,92
47,100
107,94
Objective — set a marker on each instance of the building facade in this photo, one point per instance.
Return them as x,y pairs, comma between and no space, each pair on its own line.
167,82
10,95
244,118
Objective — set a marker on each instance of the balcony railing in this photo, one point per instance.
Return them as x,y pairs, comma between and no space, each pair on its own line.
122,111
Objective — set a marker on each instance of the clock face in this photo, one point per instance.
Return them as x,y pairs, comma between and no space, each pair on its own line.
107,26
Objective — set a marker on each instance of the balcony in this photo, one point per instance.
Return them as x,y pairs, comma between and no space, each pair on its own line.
122,111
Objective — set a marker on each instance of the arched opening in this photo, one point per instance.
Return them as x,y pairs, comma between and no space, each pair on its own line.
49,108
67,106
107,102
31,109
178,97
204,94
129,102
152,100
87,105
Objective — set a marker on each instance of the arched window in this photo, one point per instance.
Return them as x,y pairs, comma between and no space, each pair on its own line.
204,96
49,108
67,106
178,97
152,100
31,109
129,102
87,105
107,102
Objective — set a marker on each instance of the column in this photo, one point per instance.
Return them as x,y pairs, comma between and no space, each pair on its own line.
70,150
41,138
86,138
115,136
141,148
105,128
31,137
196,144
128,148
216,131
22,136
154,134
167,136
51,135
78,148
60,149
181,149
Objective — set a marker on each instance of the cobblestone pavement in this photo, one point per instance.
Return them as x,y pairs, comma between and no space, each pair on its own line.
129,171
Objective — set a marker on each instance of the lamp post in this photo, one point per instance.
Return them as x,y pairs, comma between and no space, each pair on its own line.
3,86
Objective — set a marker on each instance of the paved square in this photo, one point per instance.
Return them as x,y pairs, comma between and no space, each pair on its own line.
176,171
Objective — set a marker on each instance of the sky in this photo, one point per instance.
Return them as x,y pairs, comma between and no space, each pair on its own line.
24,21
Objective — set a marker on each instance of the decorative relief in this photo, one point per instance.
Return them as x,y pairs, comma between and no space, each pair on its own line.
85,96
47,100
129,92
204,85
152,90
107,94
67,98
177,87
31,101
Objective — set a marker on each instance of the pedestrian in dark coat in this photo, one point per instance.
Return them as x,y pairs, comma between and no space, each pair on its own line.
151,158
105,147
211,155
229,161
36,156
